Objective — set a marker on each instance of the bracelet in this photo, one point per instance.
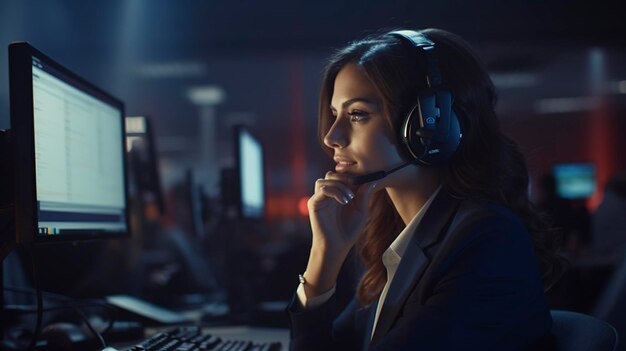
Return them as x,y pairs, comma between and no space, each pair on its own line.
301,279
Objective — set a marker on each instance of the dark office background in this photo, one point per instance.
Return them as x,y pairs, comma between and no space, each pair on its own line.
197,68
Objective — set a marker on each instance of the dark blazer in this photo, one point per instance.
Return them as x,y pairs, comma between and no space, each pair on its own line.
468,280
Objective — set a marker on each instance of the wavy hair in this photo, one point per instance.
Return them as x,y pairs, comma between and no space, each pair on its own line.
487,165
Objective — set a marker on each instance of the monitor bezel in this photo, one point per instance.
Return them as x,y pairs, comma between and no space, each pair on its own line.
238,131
22,126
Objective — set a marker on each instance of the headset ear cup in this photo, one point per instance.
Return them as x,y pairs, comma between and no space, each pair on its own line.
431,132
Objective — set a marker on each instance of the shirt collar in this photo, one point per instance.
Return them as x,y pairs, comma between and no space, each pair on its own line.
393,254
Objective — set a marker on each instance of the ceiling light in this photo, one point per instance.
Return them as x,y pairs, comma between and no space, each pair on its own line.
565,105
172,70
206,95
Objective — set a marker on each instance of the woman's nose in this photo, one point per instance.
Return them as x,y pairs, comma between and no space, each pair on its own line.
336,137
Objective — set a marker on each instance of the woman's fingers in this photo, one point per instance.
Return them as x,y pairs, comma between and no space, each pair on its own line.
331,191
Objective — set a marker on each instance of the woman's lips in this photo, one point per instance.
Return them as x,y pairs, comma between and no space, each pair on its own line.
343,165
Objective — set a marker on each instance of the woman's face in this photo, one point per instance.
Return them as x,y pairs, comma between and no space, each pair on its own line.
360,136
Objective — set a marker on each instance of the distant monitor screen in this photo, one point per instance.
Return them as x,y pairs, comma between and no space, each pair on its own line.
145,181
575,180
136,125
78,147
251,175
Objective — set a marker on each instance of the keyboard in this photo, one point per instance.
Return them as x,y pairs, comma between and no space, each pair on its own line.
192,338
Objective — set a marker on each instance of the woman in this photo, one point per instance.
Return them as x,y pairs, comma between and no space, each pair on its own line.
452,250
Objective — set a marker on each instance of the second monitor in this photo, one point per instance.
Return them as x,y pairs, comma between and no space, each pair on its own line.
249,174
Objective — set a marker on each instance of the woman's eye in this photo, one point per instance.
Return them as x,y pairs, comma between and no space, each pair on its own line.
357,116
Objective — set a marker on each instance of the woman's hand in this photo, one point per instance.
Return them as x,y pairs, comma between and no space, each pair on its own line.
338,211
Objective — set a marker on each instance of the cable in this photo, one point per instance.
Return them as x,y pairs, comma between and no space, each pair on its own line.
91,328
69,303
40,308
82,316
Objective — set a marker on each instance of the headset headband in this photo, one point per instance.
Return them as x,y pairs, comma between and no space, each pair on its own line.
433,77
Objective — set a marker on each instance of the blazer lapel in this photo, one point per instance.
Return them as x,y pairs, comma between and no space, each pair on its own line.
414,261
371,315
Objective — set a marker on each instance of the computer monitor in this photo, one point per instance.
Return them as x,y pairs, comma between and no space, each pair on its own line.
575,181
69,153
250,174
143,161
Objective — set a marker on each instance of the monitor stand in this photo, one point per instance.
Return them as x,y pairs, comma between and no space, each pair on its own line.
7,215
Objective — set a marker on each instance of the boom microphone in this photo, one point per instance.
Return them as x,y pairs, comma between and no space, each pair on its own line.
370,177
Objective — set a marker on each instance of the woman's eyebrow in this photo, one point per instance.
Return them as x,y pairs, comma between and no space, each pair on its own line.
357,99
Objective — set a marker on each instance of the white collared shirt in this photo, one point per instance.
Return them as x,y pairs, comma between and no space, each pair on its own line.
393,255
391,259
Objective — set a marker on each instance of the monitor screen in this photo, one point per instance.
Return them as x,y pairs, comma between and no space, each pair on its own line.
69,146
251,174
575,180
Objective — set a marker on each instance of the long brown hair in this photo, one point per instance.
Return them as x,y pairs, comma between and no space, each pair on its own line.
487,164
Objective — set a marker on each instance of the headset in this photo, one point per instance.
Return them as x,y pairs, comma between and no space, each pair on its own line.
431,131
